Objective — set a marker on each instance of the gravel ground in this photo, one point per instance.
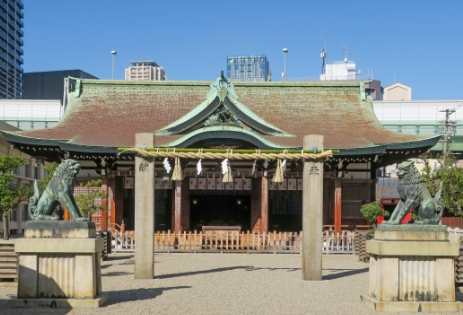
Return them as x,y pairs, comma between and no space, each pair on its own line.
225,284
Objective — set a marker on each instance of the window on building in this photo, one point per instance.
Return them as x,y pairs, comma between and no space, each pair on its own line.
26,170
25,214
13,215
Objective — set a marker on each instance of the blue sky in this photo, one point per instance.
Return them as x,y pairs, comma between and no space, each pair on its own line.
419,43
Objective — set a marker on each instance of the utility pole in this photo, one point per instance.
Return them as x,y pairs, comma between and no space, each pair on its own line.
113,53
448,130
285,51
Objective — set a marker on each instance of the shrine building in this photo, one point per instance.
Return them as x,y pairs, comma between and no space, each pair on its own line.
104,115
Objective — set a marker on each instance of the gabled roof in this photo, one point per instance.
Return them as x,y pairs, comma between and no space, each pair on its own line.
103,115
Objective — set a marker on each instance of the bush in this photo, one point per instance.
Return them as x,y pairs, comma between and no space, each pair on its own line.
371,211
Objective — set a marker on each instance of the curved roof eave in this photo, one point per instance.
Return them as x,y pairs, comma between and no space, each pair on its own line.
225,132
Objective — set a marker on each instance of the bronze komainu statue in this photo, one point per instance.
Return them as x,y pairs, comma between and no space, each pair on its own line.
59,192
415,196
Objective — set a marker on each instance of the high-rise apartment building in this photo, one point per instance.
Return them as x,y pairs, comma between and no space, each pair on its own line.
251,68
145,71
11,51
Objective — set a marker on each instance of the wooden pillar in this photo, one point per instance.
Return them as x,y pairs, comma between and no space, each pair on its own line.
118,199
144,210
104,214
264,205
66,216
337,205
312,212
178,206
104,203
185,217
256,196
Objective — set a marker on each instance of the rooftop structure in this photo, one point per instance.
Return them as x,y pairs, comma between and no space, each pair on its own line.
248,68
49,85
11,51
31,114
145,71
397,92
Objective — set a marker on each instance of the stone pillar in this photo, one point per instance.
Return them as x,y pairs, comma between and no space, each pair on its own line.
178,206
312,212
144,210
264,205
337,205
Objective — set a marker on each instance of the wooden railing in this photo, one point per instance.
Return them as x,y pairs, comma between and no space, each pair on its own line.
230,241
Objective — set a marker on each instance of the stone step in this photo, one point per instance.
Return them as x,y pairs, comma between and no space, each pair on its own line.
8,254
8,259
4,266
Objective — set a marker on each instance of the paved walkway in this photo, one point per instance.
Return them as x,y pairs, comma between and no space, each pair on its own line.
225,284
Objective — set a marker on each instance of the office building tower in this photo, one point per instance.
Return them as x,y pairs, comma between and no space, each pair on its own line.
145,71
11,51
250,68
49,85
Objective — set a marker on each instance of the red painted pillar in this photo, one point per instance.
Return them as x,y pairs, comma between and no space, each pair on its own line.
264,205
337,205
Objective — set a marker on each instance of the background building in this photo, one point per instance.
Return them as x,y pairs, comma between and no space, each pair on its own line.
397,92
31,114
49,85
24,175
251,68
145,71
11,43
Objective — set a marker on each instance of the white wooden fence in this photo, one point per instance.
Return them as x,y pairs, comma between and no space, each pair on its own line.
455,234
230,241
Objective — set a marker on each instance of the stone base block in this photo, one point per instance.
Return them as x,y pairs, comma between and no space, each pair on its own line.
64,268
410,306
411,232
59,303
59,229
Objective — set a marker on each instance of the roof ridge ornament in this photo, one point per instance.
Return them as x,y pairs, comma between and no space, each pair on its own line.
222,87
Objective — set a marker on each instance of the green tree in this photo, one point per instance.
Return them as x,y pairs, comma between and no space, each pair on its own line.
371,211
452,181
50,168
11,194
87,201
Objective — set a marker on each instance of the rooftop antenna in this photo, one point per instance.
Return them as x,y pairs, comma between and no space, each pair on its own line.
323,57
345,51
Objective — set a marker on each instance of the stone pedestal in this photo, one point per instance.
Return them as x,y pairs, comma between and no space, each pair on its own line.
412,269
59,265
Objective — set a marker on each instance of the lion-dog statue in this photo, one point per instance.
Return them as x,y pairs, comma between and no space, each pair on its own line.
415,196
59,193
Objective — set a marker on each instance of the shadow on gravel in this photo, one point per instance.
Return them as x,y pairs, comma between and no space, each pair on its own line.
116,273
191,273
270,269
111,258
346,273
116,297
